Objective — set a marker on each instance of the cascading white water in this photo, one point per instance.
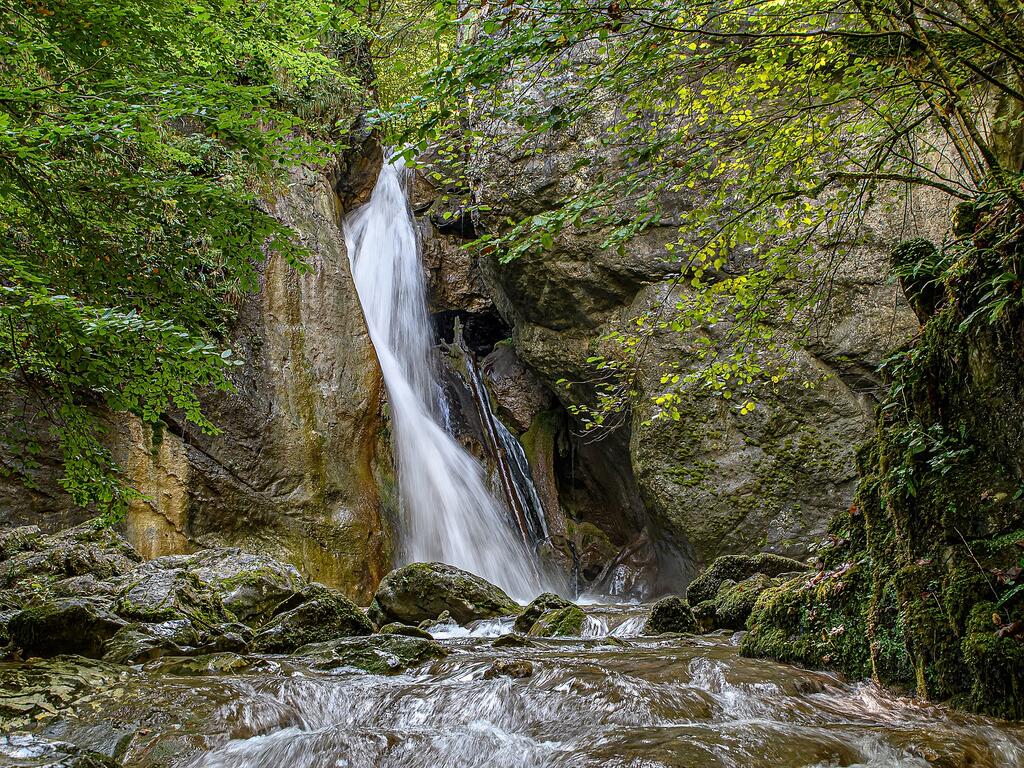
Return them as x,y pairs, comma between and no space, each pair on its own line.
448,514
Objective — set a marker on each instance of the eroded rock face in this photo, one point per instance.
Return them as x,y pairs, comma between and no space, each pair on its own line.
298,467
422,591
294,472
716,481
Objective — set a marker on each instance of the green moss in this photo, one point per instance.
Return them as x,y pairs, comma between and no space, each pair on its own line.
670,614
938,510
562,622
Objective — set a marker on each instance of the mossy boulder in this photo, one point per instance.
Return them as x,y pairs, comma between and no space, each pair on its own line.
67,625
738,568
734,602
136,643
250,586
84,549
547,601
397,628
670,614
323,615
560,622
378,654
422,591
814,622
159,591
17,540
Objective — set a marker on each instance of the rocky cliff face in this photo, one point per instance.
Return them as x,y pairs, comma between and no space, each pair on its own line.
301,467
715,482
299,470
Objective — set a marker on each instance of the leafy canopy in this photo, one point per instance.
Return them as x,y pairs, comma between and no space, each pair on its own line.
136,143
768,126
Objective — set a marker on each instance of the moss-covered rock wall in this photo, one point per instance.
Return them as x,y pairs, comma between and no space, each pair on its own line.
921,584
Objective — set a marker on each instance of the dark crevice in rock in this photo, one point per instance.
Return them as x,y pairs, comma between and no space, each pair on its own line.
480,330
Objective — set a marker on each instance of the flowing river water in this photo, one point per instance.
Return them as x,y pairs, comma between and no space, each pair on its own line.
610,698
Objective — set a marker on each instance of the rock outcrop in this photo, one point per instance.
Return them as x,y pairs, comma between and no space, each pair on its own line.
922,586
301,467
83,591
716,481
423,591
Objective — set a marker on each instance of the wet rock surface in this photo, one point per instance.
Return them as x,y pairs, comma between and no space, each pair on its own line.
422,591
560,622
670,614
540,605
83,591
737,568
380,654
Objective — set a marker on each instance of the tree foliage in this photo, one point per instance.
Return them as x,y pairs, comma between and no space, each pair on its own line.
771,125
136,143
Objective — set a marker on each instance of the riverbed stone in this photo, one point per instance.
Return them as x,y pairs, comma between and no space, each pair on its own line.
547,601
377,654
38,752
560,622
512,640
518,669
738,568
64,626
40,688
397,628
670,614
421,591
325,614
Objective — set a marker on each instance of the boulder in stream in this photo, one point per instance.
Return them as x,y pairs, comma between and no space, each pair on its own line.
378,654
670,614
738,568
561,622
421,591
540,605
323,614
518,669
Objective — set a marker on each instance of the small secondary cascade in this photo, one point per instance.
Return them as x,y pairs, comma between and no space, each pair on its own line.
513,468
448,514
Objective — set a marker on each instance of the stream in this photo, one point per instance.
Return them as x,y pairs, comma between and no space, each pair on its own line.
609,698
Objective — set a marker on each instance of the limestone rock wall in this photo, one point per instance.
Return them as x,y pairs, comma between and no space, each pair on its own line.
298,467
301,468
715,482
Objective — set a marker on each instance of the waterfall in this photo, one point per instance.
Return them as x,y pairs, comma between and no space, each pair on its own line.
448,514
